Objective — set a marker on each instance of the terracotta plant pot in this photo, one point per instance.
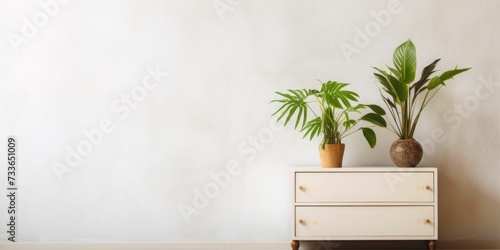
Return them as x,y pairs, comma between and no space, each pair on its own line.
331,156
406,153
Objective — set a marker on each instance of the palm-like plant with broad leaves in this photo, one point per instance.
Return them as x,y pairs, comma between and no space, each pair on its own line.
335,111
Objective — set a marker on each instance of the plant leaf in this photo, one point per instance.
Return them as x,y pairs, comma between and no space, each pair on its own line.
334,95
284,112
451,73
400,89
370,136
353,96
375,119
395,72
390,103
424,78
405,62
377,109
387,86
435,81
292,101
396,89
290,114
349,123
299,115
358,107
312,128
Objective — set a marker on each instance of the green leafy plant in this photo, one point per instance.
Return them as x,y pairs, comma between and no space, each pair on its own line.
401,94
333,116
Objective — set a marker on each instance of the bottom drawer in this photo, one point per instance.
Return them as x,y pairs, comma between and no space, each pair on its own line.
364,221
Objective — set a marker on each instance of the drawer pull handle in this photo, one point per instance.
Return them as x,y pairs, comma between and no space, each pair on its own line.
302,188
428,187
302,222
427,221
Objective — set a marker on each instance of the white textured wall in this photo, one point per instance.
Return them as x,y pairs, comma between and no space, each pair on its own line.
70,74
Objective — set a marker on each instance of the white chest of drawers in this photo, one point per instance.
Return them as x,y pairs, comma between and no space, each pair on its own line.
364,203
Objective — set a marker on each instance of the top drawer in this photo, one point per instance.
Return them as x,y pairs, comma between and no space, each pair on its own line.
339,187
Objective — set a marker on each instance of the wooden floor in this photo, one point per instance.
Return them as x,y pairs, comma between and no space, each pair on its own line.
304,245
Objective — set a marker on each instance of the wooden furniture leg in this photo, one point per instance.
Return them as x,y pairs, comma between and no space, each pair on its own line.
295,245
432,245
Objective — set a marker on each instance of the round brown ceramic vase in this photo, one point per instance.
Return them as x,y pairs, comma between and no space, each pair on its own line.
331,156
406,153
